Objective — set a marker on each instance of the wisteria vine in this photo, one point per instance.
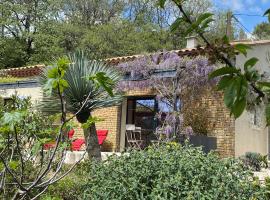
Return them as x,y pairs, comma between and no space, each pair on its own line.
176,80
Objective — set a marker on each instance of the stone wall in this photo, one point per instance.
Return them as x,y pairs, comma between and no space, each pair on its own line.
221,124
110,120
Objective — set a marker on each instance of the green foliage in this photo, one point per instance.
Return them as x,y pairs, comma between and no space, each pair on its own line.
55,75
12,53
255,160
161,3
69,188
18,113
104,81
235,86
223,71
267,184
23,133
262,30
91,120
11,79
101,41
242,48
61,27
169,172
201,23
76,77
12,119
267,13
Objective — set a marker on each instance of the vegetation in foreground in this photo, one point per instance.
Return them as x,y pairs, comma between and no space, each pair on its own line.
166,172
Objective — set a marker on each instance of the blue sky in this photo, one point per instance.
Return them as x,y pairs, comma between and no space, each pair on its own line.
249,7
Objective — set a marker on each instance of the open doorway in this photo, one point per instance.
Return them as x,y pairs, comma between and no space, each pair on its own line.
141,112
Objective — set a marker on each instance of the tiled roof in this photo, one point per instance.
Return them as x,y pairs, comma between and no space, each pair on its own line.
182,52
185,52
36,69
23,71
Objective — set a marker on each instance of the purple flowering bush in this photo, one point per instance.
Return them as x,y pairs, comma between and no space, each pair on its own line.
179,83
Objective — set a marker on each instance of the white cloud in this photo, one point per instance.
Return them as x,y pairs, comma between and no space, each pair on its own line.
246,6
235,5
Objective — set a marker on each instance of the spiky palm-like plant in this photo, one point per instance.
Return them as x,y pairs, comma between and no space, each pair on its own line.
79,88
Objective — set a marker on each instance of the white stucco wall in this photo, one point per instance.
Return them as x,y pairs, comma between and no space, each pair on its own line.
31,90
250,137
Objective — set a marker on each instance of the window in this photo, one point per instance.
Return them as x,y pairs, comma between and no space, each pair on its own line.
256,117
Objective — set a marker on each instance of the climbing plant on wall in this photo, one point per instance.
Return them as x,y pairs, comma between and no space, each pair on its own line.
178,81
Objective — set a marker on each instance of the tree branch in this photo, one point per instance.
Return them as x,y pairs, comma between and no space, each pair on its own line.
216,52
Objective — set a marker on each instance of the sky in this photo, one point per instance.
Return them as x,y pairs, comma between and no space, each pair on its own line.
244,8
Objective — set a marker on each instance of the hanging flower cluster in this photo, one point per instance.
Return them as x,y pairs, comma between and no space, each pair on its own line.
144,72
176,79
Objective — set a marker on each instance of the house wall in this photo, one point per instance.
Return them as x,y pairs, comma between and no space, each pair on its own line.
248,136
27,90
110,120
221,124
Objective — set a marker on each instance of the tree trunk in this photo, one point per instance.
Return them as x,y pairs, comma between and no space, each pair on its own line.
92,146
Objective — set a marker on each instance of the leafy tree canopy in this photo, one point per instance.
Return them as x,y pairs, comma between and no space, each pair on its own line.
262,30
37,31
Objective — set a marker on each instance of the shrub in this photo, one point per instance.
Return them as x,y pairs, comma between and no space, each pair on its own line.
255,161
70,187
170,172
267,186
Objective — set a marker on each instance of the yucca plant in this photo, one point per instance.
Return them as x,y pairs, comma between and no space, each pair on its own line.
80,88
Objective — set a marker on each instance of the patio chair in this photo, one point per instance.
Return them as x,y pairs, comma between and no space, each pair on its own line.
134,137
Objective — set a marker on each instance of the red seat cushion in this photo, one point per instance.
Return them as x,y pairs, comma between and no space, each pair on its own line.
77,144
101,134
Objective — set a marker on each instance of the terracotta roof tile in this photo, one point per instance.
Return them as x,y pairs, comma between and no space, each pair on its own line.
182,52
28,71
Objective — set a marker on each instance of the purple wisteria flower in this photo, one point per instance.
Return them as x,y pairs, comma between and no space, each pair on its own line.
176,80
189,131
